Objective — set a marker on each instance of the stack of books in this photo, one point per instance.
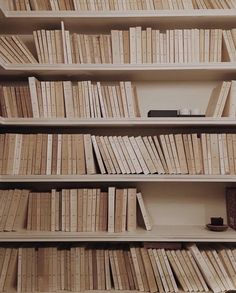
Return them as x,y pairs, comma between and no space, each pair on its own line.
222,102
13,50
120,5
145,268
56,154
133,46
13,209
66,99
86,210
136,46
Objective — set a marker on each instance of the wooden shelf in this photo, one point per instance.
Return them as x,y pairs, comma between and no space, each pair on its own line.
158,233
210,71
98,178
131,122
100,20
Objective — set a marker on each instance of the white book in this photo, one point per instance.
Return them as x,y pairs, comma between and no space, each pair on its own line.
146,218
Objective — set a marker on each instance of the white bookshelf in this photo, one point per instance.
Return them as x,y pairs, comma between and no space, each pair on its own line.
179,205
100,178
142,72
159,233
87,20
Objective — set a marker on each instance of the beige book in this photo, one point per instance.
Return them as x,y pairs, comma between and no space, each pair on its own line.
24,49
112,156
131,209
137,269
98,155
80,210
64,44
107,270
121,154
13,210
21,215
133,46
223,270
113,270
169,270
89,158
196,153
181,153
155,271
5,267
213,271
221,280
73,210
89,210
6,210
85,210
192,271
146,156
105,156
165,271
117,154
124,210
228,47
111,209
126,154
148,270
158,153
144,212
191,153
204,153
152,154
115,41
174,152
215,156
230,105
190,283
93,209
118,210
204,268
139,155
198,272
160,270
228,265
34,97
166,154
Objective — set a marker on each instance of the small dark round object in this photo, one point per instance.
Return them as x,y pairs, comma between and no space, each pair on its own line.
217,229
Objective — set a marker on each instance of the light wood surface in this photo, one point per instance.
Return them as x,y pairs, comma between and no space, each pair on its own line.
160,233
90,20
117,178
146,72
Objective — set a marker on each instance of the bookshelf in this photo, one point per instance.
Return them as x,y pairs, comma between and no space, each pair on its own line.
179,205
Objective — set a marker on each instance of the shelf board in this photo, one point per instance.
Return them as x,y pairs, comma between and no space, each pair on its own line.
99,178
209,71
103,20
130,122
185,233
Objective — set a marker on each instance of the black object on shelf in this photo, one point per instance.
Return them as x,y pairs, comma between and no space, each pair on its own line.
163,113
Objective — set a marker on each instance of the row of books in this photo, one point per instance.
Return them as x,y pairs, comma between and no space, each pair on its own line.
222,102
168,154
120,267
120,5
133,46
59,99
13,209
84,99
56,154
86,210
14,50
